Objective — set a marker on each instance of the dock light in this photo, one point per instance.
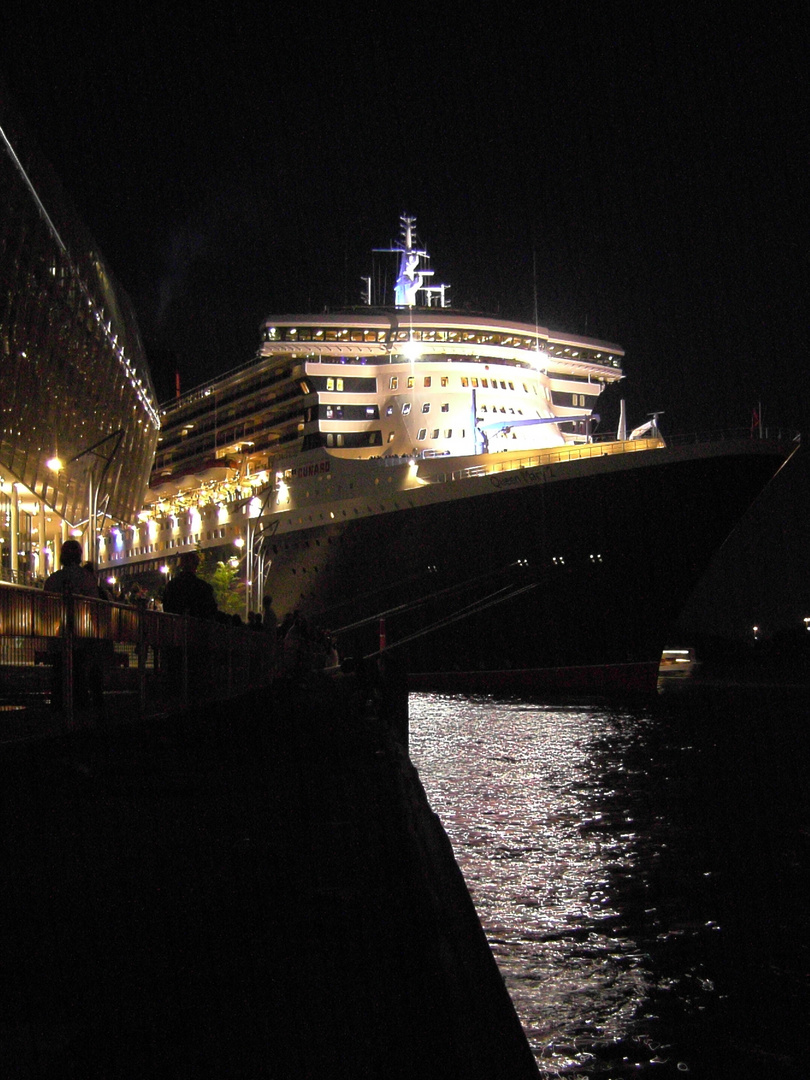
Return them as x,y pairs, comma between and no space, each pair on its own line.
164,570
239,542
54,464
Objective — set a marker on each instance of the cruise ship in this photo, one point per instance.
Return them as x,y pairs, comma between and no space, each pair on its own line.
436,485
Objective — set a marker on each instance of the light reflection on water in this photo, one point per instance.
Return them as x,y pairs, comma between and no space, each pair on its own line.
540,804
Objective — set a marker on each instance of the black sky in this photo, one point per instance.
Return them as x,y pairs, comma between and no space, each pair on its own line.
243,161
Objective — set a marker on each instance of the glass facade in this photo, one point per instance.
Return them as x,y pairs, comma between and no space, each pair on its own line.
74,382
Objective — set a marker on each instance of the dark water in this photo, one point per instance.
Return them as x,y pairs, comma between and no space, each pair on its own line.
640,873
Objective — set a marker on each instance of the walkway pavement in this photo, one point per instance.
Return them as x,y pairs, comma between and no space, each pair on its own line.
263,893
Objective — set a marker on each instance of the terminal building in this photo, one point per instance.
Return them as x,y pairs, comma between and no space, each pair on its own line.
78,416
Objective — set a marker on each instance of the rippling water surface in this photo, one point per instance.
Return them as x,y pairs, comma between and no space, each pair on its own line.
639,873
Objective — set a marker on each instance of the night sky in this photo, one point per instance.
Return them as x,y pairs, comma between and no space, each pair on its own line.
237,162
649,162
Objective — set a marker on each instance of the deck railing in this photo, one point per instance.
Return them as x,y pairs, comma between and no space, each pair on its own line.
597,449
62,654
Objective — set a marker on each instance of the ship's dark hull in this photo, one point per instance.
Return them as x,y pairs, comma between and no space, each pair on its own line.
578,580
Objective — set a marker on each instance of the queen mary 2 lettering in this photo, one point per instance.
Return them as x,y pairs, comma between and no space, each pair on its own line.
443,471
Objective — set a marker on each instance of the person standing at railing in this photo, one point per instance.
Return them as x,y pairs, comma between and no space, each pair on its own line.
73,578
187,594
72,575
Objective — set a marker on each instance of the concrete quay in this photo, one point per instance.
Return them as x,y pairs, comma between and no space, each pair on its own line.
260,890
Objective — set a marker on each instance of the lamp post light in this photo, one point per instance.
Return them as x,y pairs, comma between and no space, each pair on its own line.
56,465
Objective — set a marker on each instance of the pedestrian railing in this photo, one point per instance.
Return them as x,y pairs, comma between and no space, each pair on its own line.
64,653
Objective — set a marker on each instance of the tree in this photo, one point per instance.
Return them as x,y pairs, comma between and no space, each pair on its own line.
223,577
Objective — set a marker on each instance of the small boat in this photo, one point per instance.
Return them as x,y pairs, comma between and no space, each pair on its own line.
677,664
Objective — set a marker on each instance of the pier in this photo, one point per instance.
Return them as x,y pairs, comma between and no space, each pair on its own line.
256,887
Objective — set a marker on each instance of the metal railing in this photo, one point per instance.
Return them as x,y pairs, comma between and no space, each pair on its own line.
598,449
62,654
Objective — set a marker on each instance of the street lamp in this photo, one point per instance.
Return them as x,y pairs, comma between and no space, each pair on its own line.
94,487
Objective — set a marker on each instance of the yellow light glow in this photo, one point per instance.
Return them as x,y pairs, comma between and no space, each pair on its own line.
54,464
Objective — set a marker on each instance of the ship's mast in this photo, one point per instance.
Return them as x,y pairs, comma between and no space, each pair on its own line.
411,276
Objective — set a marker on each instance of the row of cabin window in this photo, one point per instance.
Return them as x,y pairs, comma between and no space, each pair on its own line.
406,408
478,337
335,384
466,381
447,434
374,438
